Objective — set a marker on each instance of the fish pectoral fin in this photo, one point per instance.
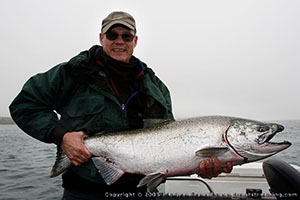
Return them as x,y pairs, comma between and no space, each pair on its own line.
108,171
152,181
211,151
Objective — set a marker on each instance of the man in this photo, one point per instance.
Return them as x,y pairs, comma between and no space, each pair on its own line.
103,89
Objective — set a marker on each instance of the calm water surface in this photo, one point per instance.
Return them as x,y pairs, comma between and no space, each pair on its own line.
25,167
26,163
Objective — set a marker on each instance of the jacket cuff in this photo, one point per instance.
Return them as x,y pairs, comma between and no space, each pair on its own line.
58,134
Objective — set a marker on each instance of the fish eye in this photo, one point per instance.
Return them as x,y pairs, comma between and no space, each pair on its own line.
263,129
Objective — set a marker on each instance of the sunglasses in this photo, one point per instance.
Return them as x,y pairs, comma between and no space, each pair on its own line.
127,37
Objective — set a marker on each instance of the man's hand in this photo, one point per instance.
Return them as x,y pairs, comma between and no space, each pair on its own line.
72,145
211,167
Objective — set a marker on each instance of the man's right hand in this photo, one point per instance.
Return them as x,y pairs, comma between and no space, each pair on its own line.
72,145
211,167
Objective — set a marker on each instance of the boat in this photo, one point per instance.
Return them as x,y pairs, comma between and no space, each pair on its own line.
271,179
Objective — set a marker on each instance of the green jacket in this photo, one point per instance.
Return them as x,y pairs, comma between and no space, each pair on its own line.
83,106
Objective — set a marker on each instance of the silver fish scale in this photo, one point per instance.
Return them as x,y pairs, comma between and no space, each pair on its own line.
167,148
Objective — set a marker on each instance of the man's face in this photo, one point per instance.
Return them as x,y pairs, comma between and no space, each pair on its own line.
118,48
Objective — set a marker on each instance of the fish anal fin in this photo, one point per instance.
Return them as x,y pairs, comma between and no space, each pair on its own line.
108,171
152,181
209,152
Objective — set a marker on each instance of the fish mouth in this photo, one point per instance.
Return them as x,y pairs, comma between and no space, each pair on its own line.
265,139
265,147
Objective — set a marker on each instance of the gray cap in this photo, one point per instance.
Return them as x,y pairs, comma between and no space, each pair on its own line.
118,17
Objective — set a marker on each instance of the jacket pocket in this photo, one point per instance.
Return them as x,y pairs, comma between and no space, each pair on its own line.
84,113
85,106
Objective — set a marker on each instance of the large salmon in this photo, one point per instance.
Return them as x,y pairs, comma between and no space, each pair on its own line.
177,147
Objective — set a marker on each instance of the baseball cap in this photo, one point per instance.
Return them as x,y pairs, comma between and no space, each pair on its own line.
118,17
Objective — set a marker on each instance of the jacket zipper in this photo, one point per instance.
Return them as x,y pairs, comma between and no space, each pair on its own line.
123,106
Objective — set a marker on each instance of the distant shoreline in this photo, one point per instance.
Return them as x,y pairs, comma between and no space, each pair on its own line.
6,120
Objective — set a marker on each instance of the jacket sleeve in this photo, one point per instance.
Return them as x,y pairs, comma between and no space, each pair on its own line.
33,108
160,91
167,97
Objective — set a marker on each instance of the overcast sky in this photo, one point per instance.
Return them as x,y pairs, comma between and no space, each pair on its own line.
218,57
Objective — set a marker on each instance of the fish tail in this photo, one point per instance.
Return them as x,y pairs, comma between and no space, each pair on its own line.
61,164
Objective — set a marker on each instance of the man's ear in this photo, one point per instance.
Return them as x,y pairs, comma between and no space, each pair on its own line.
135,41
101,38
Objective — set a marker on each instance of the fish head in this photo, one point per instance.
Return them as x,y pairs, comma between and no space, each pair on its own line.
252,140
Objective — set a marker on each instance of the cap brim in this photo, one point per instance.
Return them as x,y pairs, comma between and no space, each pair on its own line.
108,26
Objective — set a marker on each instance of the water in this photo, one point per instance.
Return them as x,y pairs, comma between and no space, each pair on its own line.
26,163
25,167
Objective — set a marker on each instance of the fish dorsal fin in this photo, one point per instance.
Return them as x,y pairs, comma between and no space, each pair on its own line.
152,181
152,122
100,133
108,171
209,152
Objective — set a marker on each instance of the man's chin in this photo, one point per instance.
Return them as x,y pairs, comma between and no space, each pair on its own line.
120,58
